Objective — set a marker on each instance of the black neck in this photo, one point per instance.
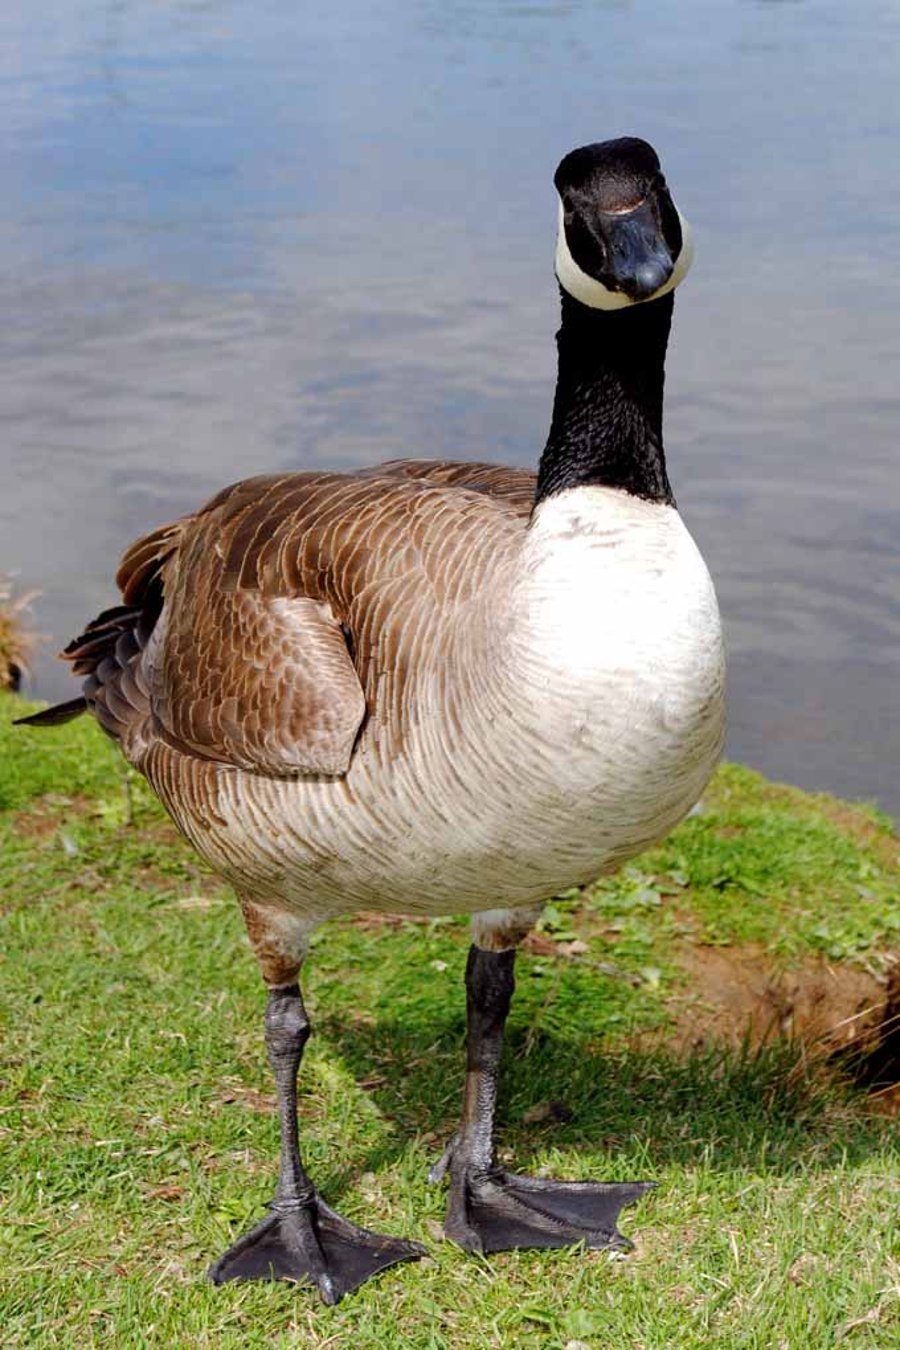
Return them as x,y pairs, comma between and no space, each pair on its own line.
607,414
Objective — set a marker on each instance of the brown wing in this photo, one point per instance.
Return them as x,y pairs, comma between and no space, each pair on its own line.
254,670
515,487
232,643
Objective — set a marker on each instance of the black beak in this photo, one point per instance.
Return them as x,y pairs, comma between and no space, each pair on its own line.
638,260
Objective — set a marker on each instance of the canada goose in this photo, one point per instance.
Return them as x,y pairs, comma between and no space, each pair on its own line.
433,688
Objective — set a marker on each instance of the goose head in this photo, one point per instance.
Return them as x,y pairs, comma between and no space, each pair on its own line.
622,240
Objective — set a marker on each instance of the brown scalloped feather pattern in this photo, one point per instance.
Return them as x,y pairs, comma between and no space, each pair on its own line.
516,487
259,632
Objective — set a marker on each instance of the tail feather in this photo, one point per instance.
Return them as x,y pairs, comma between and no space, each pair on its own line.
55,716
108,653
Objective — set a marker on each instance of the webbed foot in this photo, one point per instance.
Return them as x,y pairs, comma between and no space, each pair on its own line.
496,1211
312,1244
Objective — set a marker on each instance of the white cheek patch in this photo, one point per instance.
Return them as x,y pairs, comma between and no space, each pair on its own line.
593,293
577,282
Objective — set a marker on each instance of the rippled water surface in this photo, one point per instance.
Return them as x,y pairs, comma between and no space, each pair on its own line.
237,238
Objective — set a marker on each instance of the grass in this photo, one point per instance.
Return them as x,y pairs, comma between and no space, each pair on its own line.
136,1123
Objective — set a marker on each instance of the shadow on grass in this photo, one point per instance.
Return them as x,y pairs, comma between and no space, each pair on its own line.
763,1110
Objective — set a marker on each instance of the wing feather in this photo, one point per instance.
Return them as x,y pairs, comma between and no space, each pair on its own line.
261,630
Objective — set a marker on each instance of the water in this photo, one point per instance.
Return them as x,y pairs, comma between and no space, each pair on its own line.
238,238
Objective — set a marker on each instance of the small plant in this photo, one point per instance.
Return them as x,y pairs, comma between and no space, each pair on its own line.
16,642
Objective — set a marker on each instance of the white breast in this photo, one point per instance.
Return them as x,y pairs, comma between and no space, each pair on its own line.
615,594
621,667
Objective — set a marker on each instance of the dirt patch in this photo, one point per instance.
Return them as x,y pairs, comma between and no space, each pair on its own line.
736,992
843,1013
237,1094
372,920
43,817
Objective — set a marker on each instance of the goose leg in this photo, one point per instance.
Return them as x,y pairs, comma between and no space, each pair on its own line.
491,1210
302,1238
